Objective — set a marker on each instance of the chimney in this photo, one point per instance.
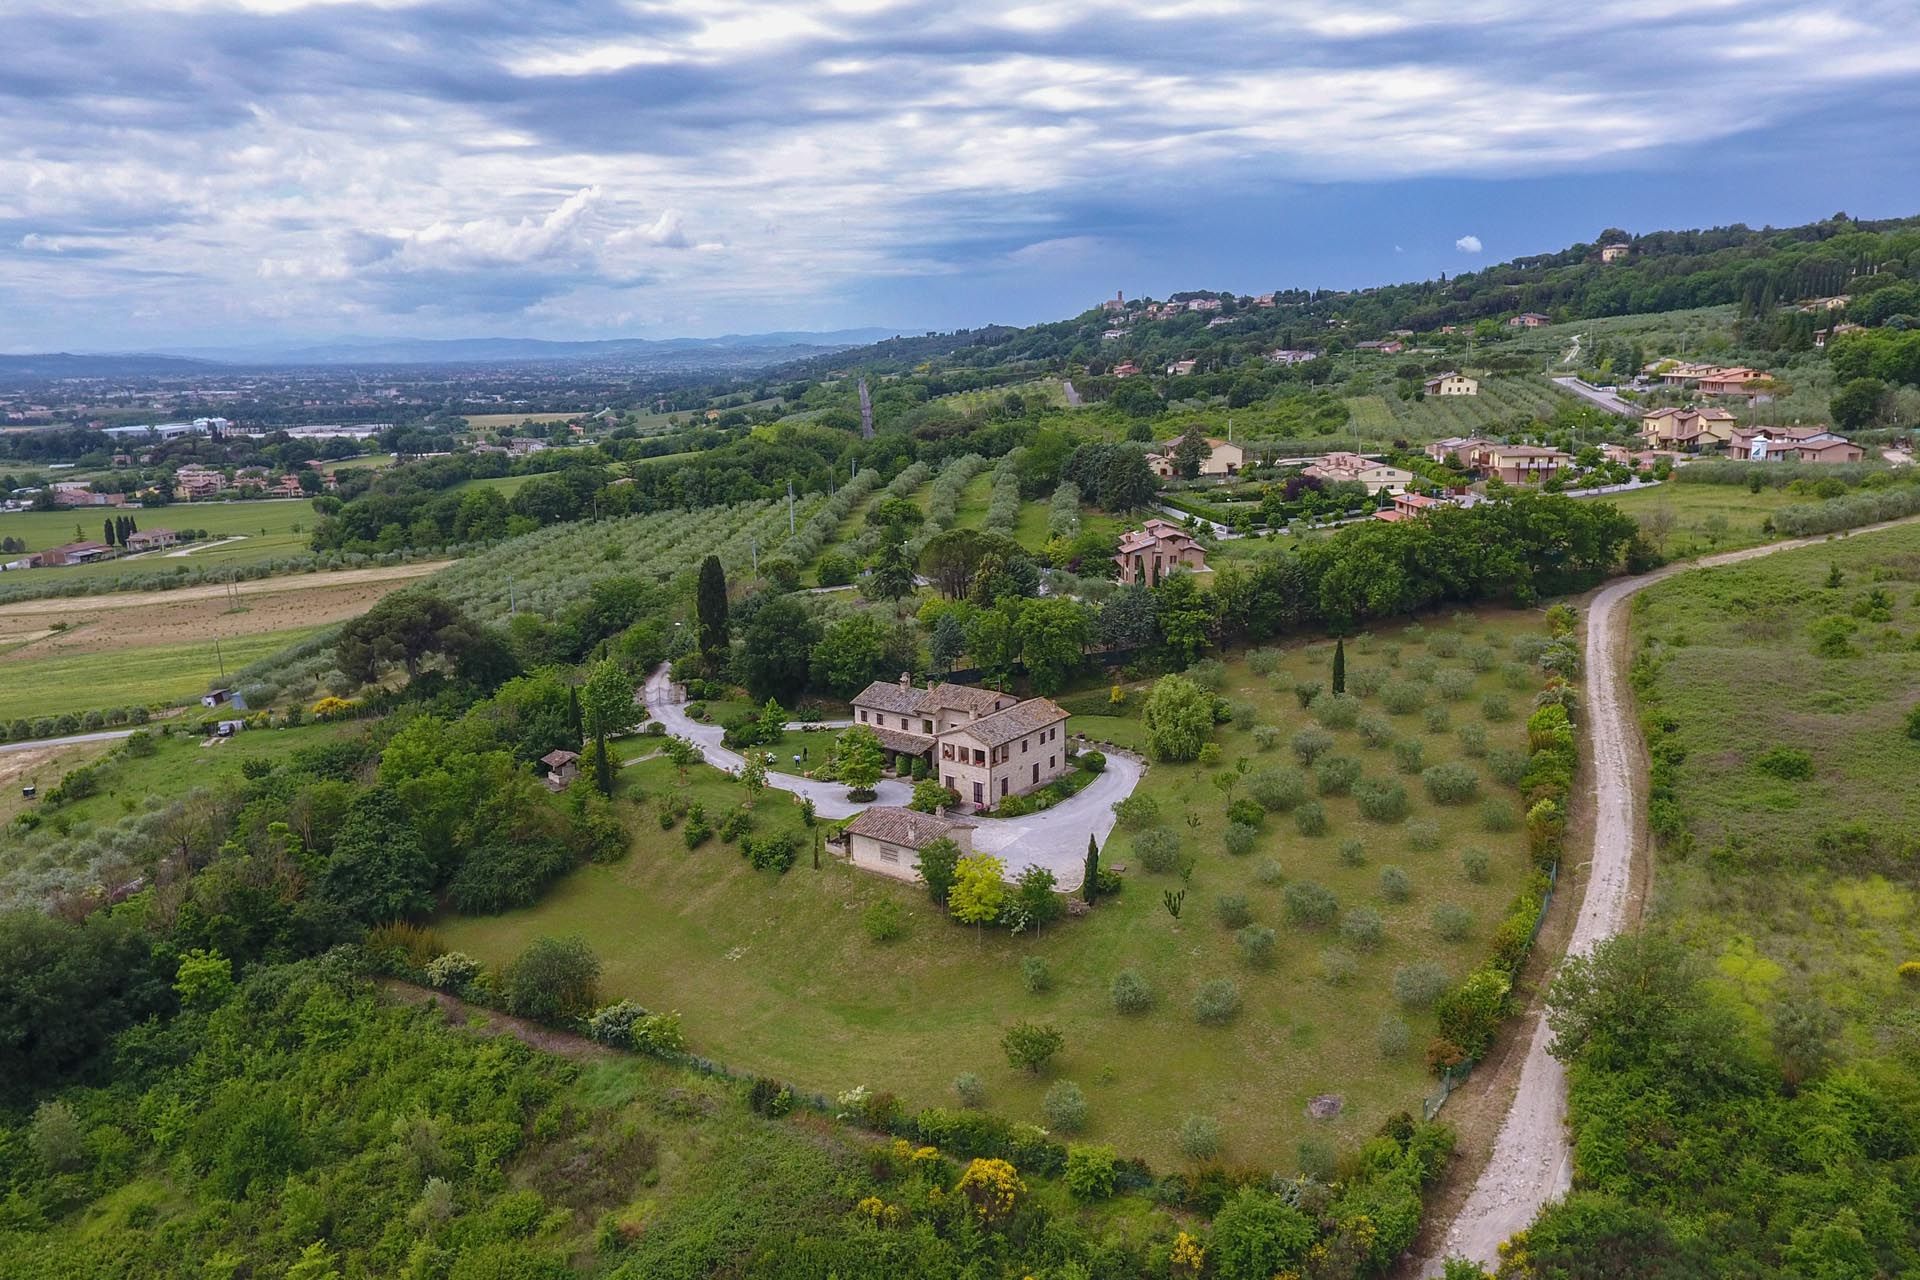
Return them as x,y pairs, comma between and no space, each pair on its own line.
906,680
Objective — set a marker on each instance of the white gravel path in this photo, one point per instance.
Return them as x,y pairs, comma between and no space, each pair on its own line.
1532,1160
1054,838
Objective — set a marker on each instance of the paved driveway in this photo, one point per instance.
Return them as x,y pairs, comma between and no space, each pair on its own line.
1055,838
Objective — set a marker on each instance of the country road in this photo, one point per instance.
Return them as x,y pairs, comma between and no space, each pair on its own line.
1532,1159
1598,397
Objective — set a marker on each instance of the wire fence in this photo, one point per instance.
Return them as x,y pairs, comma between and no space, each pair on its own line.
1455,1076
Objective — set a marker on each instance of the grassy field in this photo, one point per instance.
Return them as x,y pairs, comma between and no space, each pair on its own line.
270,527
775,974
1704,518
137,676
1795,881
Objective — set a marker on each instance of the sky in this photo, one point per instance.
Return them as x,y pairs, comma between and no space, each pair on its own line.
192,172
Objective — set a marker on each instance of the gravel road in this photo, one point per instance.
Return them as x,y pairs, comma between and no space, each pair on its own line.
1532,1160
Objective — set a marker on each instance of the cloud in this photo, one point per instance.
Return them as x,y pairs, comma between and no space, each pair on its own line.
343,162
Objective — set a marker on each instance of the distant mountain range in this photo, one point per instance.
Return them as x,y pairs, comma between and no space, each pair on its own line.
731,351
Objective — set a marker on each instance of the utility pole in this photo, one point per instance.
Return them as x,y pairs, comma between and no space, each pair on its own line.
511,610
789,506
754,543
219,658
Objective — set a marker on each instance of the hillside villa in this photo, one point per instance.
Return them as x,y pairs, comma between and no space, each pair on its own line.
1611,253
1408,506
1529,320
1451,384
1126,369
1181,368
1690,429
1150,553
1739,381
1223,459
983,745
1460,449
888,840
1792,444
1354,469
1522,463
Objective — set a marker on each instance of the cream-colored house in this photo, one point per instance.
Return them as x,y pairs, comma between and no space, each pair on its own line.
1451,384
1614,252
1351,467
889,840
1224,458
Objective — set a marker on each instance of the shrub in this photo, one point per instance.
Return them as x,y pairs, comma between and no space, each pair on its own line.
1341,711
1179,719
1335,775
1240,839
1247,812
1091,1173
1786,762
1516,676
1375,730
1393,1037
1263,662
1309,744
884,921
1353,852
1381,801
1065,1107
1395,884
1437,719
1209,754
1243,713
1035,975
454,971
1217,1002
1453,684
1418,985
1507,766
1309,905
1232,909
1409,755
1269,872
1256,943
1473,740
1402,697
1454,782
1308,691
554,981
1498,816
1266,736
1337,966
1136,812
1366,682
1310,819
1090,761
737,823
1363,928
1209,674
776,852
1452,921
1423,835
1158,849
1277,789
1199,1137
1481,657
1909,970
1477,864
967,1087
1130,992
1496,708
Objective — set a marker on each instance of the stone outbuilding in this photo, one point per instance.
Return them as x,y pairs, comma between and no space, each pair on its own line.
889,840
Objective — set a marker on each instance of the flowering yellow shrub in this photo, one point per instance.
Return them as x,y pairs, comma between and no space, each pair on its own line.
994,1188
1910,970
882,1213
330,708
1188,1254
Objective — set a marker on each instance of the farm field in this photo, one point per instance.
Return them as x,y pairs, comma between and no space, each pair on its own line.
494,421
1704,517
773,974
269,527
1800,872
156,674
40,766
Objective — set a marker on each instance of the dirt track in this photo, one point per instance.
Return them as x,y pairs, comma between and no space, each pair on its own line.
219,590
1532,1161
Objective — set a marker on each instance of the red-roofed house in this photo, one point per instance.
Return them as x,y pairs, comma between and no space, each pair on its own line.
1149,554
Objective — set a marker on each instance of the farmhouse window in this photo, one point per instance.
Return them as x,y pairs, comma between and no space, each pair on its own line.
863,715
978,793
889,854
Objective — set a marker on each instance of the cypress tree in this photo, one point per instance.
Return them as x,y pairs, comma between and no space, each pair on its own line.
1089,890
573,716
710,606
106,531
1339,666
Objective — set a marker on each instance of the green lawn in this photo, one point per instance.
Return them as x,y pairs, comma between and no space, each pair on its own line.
775,974
1796,881
155,675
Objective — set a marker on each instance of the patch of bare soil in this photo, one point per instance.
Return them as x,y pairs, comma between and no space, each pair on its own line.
219,590
43,766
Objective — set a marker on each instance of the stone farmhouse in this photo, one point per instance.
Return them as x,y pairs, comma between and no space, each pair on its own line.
983,745
1149,554
888,840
